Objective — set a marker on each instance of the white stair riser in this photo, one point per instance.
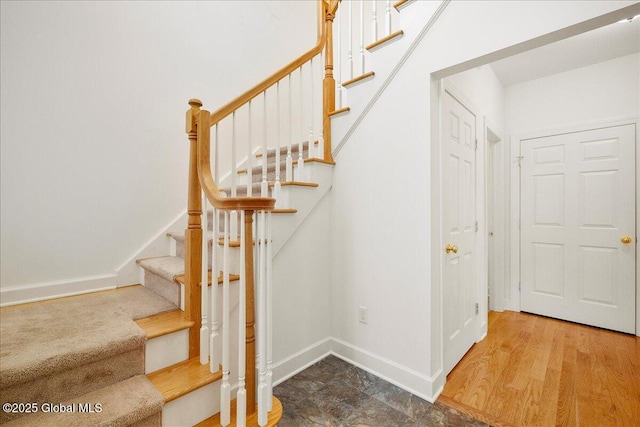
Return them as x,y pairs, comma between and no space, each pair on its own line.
166,350
193,407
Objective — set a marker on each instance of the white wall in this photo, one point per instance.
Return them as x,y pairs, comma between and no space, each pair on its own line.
482,87
607,90
301,295
94,155
385,191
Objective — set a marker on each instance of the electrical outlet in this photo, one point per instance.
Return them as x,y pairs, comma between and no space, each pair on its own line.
363,315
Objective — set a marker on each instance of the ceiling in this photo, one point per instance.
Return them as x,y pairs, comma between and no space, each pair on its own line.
602,44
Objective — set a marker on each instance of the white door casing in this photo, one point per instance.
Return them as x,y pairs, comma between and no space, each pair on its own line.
458,180
577,203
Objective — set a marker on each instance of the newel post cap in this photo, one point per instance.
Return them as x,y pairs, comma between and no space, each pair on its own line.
192,113
195,103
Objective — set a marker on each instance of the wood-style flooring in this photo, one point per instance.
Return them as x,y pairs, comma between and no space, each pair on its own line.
536,371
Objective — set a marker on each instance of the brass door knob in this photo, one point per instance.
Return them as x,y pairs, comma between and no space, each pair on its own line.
451,248
626,240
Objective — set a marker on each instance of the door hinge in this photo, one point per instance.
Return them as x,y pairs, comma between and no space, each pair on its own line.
476,143
476,226
519,224
519,160
477,308
519,286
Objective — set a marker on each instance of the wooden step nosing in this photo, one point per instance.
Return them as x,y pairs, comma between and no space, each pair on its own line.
359,79
164,323
385,40
401,4
339,112
297,184
176,374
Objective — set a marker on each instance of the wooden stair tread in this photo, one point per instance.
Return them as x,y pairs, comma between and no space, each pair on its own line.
358,79
252,419
296,184
400,4
164,323
285,211
232,277
177,380
339,112
387,39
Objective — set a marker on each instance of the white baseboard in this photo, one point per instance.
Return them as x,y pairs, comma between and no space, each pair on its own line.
301,360
12,295
128,273
414,382
158,245
428,388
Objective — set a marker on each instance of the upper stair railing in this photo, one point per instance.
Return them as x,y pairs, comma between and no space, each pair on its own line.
362,26
285,115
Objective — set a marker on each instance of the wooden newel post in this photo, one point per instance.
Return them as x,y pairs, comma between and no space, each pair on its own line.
329,83
193,234
250,337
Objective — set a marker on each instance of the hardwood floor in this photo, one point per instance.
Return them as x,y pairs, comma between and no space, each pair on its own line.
536,371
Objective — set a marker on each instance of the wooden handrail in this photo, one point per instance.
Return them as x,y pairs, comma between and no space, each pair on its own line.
206,178
241,100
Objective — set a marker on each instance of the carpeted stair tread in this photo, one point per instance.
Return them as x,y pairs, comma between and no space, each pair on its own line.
42,339
126,403
232,278
168,267
56,350
271,152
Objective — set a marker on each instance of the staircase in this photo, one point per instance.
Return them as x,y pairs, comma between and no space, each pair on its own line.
183,382
178,372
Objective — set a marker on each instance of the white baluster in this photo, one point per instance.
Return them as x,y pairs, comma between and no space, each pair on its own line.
249,156
321,144
261,298
214,339
241,403
374,21
234,176
301,172
361,37
269,315
204,298
338,70
264,187
289,161
311,146
350,35
225,388
388,19
275,192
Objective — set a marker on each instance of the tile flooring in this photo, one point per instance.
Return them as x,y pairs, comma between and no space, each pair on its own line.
334,393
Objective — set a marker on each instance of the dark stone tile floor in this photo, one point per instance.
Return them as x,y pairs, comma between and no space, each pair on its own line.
334,393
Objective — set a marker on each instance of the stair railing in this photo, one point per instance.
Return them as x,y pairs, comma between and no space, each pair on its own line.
362,26
287,114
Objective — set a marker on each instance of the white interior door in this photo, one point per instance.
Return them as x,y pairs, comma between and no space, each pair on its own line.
459,229
578,227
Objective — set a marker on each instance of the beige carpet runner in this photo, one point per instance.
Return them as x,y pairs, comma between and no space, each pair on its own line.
79,361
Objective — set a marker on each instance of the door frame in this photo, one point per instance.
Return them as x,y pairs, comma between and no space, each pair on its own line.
437,240
497,208
512,290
